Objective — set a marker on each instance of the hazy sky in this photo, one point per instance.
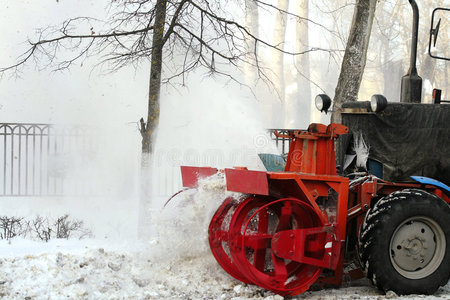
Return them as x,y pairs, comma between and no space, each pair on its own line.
79,95
205,124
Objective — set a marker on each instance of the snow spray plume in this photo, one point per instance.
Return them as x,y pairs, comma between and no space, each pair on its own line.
182,225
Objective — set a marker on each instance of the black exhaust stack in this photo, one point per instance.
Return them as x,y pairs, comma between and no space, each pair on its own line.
412,82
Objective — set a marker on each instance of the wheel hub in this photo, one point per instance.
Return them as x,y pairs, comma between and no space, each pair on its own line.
414,247
417,247
253,226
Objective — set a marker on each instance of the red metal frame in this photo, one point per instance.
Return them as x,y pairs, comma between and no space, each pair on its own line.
312,151
310,181
252,238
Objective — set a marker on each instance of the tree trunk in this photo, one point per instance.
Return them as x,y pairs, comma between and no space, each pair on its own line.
298,104
354,61
252,23
148,129
392,70
278,58
155,77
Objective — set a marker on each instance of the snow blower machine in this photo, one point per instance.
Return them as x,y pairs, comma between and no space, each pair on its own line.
370,208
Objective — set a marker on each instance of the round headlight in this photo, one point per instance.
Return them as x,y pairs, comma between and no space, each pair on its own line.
323,102
378,103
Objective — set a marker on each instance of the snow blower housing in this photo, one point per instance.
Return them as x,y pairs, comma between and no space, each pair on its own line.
310,224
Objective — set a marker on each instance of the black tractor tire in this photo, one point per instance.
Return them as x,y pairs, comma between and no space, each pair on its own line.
404,243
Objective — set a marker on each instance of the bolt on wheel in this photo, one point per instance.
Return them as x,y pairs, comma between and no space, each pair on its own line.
417,247
403,243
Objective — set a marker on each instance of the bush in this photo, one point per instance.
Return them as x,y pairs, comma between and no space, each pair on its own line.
10,227
42,228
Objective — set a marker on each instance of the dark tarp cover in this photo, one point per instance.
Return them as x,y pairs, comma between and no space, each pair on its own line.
407,138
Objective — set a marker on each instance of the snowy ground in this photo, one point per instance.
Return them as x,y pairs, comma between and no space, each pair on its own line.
173,264
99,269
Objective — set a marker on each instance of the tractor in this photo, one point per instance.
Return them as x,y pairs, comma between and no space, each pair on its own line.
368,197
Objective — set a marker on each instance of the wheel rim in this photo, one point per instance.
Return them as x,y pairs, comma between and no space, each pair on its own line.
251,229
218,238
417,247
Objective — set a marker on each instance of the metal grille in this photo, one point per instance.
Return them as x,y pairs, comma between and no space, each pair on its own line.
32,157
282,144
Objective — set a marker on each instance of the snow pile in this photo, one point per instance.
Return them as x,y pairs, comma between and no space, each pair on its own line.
182,225
74,270
177,264
94,269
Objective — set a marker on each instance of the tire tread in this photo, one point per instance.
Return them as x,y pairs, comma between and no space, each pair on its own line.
374,225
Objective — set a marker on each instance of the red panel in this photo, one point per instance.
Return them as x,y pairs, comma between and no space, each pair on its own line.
317,128
307,245
312,151
191,175
249,182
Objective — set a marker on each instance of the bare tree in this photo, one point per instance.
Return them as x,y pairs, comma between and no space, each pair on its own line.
388,20
176,37
298,103
252,23
392,43
277,63
183,35
354,61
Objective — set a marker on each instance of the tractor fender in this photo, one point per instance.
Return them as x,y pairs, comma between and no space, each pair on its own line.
431,181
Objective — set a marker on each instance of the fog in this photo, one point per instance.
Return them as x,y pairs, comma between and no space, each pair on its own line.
207,123
210,122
